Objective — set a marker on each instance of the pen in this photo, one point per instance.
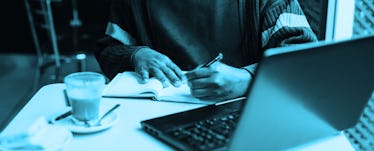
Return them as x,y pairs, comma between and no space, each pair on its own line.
67,101
218,58
68,113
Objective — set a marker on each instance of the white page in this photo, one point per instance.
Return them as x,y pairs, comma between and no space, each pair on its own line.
127,84
180,94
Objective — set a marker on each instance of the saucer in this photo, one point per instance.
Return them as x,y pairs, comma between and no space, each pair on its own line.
106,123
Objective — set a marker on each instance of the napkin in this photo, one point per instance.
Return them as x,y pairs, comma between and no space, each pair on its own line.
39,136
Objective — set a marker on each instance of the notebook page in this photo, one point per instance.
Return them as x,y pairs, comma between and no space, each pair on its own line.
180,94
127,84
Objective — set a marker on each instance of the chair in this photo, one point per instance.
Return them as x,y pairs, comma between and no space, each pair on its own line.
40,17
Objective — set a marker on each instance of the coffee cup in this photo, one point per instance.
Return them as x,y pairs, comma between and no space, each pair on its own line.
84,92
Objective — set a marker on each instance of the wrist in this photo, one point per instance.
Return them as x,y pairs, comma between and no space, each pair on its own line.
249,72
133,55
243,83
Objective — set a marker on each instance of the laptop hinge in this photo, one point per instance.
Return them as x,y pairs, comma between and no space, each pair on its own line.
229,101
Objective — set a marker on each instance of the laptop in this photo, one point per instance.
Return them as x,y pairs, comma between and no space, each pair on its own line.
299,94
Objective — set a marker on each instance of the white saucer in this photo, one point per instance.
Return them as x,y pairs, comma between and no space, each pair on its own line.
106,123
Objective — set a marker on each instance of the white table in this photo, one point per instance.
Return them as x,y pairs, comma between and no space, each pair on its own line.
127,133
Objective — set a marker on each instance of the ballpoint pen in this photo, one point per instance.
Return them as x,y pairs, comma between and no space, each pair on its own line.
62,116
67,101
218,58
66,114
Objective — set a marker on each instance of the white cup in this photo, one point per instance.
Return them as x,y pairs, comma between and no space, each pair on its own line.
84,92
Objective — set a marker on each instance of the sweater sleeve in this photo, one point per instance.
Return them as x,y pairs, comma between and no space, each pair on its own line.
282,24
114,52
115,57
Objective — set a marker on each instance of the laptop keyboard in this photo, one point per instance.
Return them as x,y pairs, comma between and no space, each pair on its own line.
209,134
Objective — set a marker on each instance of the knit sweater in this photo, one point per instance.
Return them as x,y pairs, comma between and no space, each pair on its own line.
194,31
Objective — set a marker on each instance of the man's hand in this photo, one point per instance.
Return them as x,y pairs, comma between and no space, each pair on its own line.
218,82
149,62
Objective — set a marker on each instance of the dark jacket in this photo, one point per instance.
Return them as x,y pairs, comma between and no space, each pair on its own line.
191,32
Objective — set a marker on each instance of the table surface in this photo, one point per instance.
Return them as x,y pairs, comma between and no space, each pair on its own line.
126,133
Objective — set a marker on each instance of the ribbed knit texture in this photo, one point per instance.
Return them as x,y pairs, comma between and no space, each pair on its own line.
114,57
285,35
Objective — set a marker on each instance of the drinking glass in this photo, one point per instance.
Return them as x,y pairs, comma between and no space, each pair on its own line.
84,92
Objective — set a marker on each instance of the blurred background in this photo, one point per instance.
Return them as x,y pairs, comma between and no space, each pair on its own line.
77,26
44,40
16,35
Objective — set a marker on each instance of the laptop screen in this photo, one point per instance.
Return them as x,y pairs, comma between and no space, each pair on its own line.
304,93
299,94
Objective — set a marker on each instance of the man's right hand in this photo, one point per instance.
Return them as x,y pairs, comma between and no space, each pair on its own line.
149,62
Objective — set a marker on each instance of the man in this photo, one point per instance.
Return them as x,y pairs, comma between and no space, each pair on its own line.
162,38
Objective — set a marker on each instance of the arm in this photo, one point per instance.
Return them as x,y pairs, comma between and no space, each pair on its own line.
115,57
116,48
282,24
120,50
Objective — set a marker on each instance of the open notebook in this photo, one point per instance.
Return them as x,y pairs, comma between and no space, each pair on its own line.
126,85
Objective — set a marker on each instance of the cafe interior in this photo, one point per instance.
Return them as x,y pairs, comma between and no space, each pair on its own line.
45,40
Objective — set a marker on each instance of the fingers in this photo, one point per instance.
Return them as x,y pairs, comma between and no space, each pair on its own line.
178,72
206,88
165,75
207,84
158,74
172,72
202,83
168,73
208,94
144,75
155,72
152,63
199,73
172,77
